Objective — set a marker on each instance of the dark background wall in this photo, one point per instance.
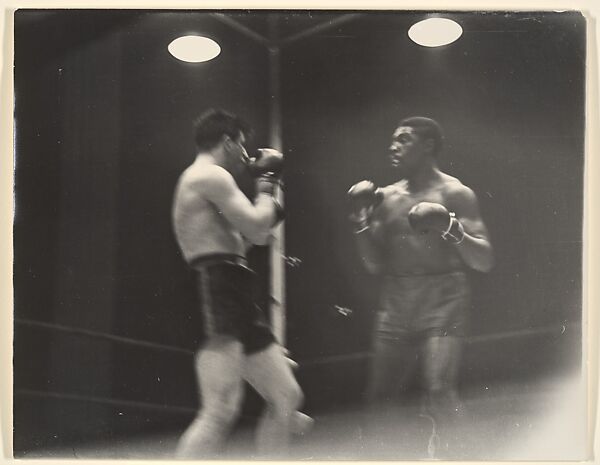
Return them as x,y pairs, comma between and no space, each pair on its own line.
103,120
65,224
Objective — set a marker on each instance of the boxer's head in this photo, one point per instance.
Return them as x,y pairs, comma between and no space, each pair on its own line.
414,140
220,130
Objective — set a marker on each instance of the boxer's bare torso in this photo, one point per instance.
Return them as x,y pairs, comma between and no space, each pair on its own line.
404,251
200,227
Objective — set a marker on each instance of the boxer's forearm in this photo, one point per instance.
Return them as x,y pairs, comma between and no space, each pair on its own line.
476,253
368,252
257,228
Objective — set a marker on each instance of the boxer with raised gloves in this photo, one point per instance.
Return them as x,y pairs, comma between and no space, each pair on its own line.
214,223
424,298
427,216
364,198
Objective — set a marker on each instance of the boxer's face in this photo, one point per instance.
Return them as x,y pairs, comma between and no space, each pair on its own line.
407,150
238,156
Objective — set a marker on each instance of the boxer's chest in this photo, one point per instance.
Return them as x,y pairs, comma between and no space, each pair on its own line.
394,218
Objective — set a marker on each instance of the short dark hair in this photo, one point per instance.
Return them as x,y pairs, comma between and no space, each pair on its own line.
427,128
212,125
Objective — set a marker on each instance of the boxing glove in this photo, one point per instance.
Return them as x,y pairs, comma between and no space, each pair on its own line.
267,167
266,161
364,197
428,216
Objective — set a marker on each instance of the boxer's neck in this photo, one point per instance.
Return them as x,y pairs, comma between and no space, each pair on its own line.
424,177
217,156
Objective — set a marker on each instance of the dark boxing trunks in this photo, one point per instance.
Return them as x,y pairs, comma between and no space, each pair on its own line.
226,298
423,306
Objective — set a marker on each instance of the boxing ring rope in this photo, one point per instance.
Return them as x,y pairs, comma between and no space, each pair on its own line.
332,359
106,401
483,338
99,335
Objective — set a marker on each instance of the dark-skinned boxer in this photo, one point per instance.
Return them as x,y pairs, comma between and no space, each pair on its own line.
214,222
419,235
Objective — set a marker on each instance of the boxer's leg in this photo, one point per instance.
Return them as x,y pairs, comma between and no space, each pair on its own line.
269,372
441,359
391,368
394,353
444,313
218,368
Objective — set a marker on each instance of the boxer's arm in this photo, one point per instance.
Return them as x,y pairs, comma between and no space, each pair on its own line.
364,199
368,247
253,221
475,249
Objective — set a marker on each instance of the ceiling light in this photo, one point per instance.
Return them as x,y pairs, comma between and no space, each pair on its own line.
194,49
434,32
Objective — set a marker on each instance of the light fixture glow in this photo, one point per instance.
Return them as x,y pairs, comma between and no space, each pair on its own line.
194,49
435,32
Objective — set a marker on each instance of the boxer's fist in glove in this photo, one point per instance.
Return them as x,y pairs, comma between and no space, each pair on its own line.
427,216
267,167
266,161
266,183
364,197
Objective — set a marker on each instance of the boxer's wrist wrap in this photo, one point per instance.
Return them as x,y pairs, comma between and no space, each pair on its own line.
455,232
267,182
362,225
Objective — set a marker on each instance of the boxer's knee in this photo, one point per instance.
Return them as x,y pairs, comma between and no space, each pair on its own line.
293,398
222,414
286,400
222,404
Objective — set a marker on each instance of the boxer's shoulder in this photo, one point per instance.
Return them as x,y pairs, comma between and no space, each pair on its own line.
207,177
455,193
451,185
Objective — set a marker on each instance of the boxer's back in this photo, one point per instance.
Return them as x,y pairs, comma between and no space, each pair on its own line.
200,229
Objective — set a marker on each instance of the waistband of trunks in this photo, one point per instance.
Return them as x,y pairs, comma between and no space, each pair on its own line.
206,261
